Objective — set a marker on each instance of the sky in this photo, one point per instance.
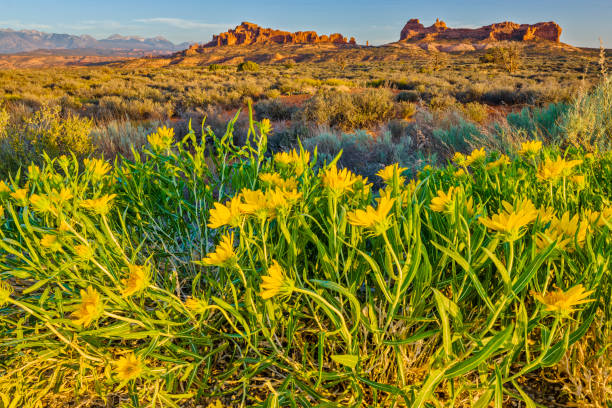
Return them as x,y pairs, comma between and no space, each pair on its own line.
379,22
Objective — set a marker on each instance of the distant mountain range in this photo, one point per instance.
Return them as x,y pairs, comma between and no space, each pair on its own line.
12,41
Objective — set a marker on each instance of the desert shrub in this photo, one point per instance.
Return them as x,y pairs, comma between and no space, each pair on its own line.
405,110
349,111
459,138
287,137
118,138
215,67
248,66
442,102
407,96
46,131
588,121
541,123
508,57
476,112
274,109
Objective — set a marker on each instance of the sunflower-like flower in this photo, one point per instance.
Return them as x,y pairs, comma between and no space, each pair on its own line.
390,171
137,280
129,367
42,204
273,179
599,218
376,220
565,231
562,302
162,139
253,202
459,159
90,308
101,205
225,214
20,196
443,201
579,181
530,147
276,282
511,222
4,188
198,306
51,243
477,156
294,160
339,181
552,170
84,252
97,168
224,254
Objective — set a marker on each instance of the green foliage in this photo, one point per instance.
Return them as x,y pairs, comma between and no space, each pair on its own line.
588,122
350,111
248,66
46,131
541,123
215,67
407,313
508,57
459,138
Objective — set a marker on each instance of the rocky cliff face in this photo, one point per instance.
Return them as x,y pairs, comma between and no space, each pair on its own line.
249,33
506,31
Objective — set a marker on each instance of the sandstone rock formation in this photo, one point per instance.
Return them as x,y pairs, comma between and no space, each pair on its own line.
506,31
249,33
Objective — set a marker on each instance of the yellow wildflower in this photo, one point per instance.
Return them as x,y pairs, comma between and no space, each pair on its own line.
90,309
137,280
97,168
377,219
224,254
253,202
129,367
555,169
565,231
20,196
284,159
530,147
579,180
339,181
41,204
273,179
196,305
228,214
562,302
477,156
4,188
390,171
546,214
459,159
162,139
1,212
51,243
101,205
276,283
84,252
442,202
511,222
597,218
460,173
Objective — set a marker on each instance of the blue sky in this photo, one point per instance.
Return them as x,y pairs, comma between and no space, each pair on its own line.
378,22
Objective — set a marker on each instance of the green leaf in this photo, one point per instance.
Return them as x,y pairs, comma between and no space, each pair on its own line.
491,347
347,360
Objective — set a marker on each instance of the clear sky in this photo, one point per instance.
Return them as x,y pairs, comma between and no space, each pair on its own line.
583,21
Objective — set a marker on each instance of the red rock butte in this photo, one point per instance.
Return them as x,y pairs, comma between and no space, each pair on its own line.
506,31
249,33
